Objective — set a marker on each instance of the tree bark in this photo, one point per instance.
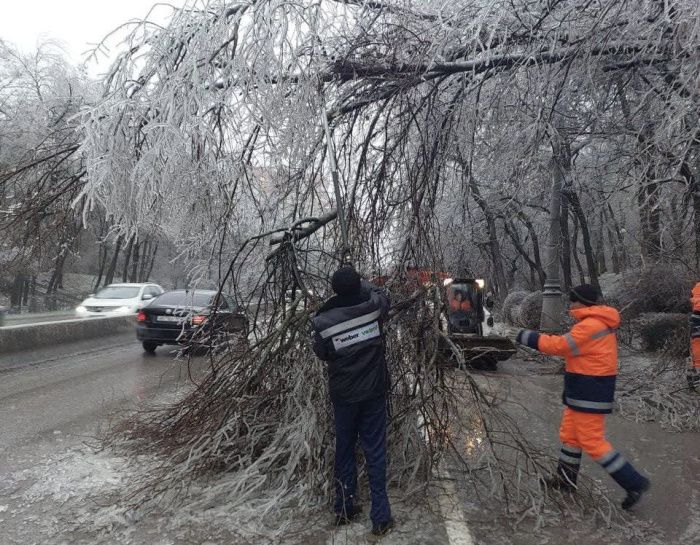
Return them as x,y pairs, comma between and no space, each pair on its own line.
102,263
499,282
127,259
600,246
17,291
617,240
133,277
143,263
109,278
535,268
577,259
585,235
650,215
566,248
151,264
536,254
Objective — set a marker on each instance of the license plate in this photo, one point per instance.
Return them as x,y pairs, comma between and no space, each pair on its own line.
169,319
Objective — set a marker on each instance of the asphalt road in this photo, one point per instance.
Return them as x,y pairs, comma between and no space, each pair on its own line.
54,399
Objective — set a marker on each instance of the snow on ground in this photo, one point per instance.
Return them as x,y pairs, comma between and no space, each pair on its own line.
76,498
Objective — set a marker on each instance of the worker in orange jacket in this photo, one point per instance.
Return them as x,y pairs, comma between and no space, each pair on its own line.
590,353
694,372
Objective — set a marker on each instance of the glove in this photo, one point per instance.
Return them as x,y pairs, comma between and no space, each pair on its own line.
528,338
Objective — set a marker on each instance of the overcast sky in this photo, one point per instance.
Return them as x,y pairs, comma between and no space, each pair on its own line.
75,23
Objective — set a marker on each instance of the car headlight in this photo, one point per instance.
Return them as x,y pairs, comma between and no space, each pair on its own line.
447,281
80,308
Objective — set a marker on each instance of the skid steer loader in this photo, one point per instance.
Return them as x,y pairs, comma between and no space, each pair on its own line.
468,324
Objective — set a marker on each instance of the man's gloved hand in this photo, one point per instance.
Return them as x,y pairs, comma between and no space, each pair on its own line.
528,338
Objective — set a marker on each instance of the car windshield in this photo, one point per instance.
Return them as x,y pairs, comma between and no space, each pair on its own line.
117,292
185,299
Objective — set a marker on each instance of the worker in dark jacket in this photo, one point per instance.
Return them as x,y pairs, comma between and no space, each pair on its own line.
590,354
348,335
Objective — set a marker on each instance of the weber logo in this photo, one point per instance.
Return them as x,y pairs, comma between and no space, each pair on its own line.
354,336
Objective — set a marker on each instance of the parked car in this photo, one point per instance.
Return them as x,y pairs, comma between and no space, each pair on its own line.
118,300
175,316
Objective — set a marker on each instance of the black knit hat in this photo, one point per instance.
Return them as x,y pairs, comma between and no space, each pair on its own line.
345,281
585,294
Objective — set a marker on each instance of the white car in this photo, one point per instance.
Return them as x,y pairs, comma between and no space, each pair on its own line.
118,300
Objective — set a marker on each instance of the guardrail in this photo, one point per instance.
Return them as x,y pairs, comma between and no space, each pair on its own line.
15,338
38,317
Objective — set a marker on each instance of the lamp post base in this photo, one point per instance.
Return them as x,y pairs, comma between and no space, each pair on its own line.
552,318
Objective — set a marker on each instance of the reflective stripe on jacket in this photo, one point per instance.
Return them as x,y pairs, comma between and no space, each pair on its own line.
590,353
350,339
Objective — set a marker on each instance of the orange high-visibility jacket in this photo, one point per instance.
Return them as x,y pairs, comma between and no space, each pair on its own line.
590,353
695,326
460,305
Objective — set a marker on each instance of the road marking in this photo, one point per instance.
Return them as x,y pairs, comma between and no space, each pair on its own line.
452,513
453,516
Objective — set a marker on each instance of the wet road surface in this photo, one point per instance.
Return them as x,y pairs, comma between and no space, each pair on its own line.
669,513
68,390
52,400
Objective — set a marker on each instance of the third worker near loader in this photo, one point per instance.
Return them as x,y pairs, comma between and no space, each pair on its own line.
590,353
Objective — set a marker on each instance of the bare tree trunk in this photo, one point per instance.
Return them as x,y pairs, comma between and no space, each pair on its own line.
585,234
17,291
133,277
30,295
143,263
151,264
499,282
102,263
600,246
565,245
55,281
650,215
617,240
109,278
536,254
26,288
535,268
127,259
577,259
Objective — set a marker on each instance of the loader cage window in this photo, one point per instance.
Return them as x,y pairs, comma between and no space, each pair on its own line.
464,311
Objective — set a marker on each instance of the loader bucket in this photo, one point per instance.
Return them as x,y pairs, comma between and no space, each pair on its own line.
482,352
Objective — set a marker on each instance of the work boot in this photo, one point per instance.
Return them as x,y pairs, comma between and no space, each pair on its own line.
380,530
343,519
557,482
633,496
566,476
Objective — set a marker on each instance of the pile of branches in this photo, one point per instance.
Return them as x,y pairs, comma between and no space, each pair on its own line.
258,428
656,389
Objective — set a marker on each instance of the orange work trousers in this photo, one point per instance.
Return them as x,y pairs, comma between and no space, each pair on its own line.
695,351
585,431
